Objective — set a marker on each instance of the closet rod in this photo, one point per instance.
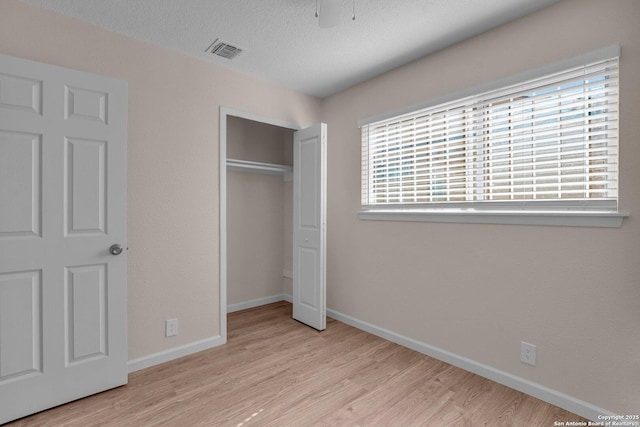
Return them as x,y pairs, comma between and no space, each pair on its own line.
259,167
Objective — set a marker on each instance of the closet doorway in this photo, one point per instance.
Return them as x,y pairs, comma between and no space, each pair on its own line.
272,216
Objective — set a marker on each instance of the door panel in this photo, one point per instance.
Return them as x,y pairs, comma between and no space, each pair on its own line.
85,104
309,226
21,93
20,182
309,198
85,192
62,204
308,275
86,314
20,327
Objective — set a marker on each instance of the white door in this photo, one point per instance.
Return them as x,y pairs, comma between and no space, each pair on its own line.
62,206
309,226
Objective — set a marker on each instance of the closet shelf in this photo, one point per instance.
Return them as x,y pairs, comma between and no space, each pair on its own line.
258,167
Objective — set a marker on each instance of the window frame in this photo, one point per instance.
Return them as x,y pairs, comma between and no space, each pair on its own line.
598,213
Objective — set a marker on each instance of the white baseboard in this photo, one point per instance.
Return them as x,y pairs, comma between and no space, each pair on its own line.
187,349
538,391
254,303
173,353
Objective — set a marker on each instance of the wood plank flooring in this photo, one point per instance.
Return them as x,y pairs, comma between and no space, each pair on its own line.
275,371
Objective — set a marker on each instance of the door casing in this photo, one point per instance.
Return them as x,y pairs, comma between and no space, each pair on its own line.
224,113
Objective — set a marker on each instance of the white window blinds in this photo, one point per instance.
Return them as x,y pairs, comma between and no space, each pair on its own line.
549,142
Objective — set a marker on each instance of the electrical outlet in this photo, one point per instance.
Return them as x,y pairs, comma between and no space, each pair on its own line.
170,327
527,353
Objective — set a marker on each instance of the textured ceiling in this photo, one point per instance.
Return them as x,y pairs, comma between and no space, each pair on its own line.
282,41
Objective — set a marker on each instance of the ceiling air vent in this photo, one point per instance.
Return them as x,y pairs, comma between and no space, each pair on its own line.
223,49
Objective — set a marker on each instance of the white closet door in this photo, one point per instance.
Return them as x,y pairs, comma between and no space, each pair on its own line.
62,206
309,226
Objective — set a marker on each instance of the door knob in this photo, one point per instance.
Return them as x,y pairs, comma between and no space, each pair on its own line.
115,249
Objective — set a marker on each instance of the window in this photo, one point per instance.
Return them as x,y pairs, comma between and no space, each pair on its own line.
544,144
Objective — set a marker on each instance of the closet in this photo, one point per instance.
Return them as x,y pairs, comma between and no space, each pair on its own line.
259,212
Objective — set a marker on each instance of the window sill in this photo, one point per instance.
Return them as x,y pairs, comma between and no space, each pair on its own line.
558,218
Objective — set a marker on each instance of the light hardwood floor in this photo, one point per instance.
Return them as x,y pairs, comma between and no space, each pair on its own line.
275,371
